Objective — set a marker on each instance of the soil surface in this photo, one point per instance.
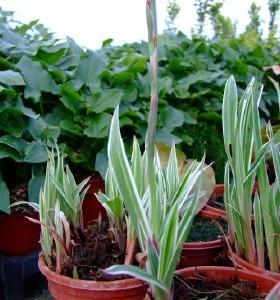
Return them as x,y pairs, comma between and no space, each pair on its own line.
96,250
200,287
217,202
204,230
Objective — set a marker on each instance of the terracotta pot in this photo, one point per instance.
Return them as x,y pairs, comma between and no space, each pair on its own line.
228,275
92,208
201,253
242,263
212,212
66,288
18,235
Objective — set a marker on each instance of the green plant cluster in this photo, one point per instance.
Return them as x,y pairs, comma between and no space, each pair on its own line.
56,91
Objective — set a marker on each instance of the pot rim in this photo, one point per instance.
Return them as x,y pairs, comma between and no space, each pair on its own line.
86,284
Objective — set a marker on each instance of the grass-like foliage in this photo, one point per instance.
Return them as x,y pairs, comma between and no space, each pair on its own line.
253,217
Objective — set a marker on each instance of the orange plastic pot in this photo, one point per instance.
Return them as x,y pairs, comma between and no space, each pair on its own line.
228,275
242,263
92,209
18,235
65,288
201,253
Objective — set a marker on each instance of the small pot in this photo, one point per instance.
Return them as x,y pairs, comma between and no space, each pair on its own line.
66,288
18,235
202,253
228,275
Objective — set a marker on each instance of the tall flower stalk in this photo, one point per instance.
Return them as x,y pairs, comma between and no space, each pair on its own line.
162,208
151,17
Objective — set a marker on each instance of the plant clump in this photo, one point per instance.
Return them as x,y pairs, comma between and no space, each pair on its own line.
94,252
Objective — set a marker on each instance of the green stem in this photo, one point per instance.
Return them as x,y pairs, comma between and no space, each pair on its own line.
152,119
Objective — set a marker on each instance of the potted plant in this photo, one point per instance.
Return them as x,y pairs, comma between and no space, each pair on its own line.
255,240
64,240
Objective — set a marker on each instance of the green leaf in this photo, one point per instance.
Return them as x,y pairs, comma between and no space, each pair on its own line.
70,126
9,92
71,103
122,77
230,103
172,118
68,62
10,77
127,187
6,151
5,196
136,62
107,42
168,243
11,38
5,64
37,79
89,70
34,186
182,88
165,137
69,91
99,127
107,99
259,231
211,115
165,85
135,272
53,53
25,110
130,93
12,147
101,162
39,129
10,123
36,152
18,144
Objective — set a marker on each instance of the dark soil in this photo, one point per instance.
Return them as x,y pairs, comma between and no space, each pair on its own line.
204,230
217,202
199,287
19,192
96,250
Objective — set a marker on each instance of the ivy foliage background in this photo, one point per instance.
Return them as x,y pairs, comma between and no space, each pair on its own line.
55,91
